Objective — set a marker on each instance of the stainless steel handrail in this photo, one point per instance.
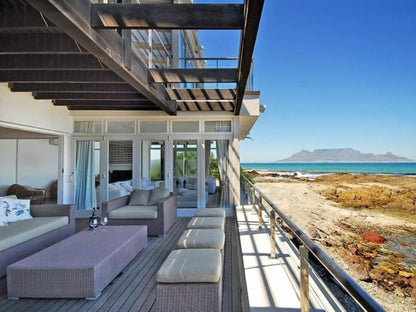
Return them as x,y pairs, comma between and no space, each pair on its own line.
355,291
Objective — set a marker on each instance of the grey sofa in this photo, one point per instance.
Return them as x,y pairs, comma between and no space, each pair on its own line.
23,238
159,216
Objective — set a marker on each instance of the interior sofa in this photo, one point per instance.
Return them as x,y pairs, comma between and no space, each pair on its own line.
27,192
50,224
155,208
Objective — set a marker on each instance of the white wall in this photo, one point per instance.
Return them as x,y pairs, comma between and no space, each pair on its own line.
20,110
28,162
8,164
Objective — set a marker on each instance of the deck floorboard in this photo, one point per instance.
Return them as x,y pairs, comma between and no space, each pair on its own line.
135,288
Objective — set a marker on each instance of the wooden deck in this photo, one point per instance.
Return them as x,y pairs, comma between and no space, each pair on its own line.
135,289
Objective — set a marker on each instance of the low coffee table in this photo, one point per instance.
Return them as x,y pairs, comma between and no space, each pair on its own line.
80,266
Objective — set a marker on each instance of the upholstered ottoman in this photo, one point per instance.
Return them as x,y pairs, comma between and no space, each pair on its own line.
206,223
202,238
210,212
190,280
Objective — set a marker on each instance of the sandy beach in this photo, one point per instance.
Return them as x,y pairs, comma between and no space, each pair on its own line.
386,268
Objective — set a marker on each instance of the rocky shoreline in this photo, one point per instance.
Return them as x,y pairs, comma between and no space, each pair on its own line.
367,223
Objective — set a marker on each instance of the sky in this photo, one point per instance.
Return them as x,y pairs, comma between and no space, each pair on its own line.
332,74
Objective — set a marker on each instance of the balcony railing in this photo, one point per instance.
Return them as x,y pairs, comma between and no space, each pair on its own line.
259,199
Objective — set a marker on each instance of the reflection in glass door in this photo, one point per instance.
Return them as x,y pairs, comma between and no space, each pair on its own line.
153,164
216,173
87,172
185,170
120,168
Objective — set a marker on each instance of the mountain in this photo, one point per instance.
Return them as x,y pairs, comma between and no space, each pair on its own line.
340,155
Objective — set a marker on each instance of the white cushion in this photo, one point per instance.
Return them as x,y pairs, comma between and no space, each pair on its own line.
22,231
134,212
139,197
127,186
15,209
191,266
157,195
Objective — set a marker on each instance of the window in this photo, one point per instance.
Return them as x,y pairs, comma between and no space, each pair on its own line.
87,126
185,126
218,126
120,126
153,127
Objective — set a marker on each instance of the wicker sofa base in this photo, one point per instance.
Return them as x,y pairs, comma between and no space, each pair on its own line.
189,297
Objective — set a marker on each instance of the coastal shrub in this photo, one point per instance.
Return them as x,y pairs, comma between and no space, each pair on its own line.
244,173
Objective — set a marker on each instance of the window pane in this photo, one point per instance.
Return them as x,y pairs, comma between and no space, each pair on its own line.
218,126
87,126
120,127
153,127
185,126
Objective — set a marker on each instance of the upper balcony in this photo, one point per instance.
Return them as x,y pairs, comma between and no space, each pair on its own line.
127,55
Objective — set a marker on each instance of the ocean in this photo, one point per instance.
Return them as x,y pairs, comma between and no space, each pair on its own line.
316,169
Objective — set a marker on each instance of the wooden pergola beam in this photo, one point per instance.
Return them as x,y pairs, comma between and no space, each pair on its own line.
103,76
104,103
167,16
73,17
72,87
252,14
88,96
202,94
179,75
113,107
50,62
36,43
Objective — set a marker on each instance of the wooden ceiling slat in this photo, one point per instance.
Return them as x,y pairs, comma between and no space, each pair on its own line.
102,103
194,75
50,61
39,43
88,96
19,18
72,87
115,107
167,16
102,76
73,17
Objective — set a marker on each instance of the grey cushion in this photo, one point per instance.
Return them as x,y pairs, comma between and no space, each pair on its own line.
210,212
21,231
134,212
139,197
206,223
157,195
202,238
191,266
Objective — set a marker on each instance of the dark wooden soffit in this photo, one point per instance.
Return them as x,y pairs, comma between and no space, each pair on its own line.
252,15
167,16
88,96
50,62
72,87
73,18
202,94
112,107
94,103
103,76
179,75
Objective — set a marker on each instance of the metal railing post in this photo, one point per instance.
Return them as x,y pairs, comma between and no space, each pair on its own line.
304,279
260,214
272,234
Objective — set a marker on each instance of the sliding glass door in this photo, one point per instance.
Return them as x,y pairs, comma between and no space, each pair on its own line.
185,173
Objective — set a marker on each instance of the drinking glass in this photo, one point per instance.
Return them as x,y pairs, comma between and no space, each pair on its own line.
104,221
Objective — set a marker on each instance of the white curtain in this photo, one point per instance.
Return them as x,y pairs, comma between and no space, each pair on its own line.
222,157
85,197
